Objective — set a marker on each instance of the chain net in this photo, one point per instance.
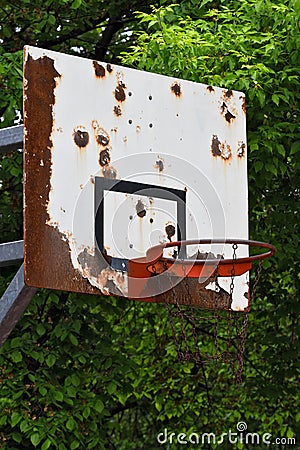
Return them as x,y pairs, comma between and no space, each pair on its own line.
212,331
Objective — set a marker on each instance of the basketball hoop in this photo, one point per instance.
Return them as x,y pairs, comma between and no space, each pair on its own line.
206,323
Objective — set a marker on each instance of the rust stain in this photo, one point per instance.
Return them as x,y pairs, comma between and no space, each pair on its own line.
47,254
104,158
227,108
170,231
226,152
81,137
45,246
159,165
95,124
223,107
229,116
241,149
125,139
109,68
99,70
199,294
138,128
243,98
215,146
119,93
140,209
117,111
102,137
210,89
221,149
176,89
109,172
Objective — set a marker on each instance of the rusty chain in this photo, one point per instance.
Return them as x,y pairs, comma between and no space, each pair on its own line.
189,323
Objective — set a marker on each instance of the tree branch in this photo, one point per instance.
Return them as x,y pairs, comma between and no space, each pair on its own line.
120,408
88,26
114,25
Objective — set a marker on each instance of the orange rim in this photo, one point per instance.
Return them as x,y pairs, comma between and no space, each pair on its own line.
156,263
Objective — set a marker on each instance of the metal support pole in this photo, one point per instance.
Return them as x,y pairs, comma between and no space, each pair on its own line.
13,303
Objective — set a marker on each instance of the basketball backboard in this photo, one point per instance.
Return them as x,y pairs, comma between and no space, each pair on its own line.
117,161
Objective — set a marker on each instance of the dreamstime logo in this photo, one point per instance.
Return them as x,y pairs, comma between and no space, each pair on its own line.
241,435
241,426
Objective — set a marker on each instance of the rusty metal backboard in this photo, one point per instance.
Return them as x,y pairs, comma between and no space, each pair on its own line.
178,147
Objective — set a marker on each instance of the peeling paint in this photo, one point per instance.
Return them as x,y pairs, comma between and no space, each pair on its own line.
117,111
102,137
229,116
81,137
104,158
159,165
99,273
241,151
140,209
228,106
99,70
221,149
109,68
170,231
226,152
243,98
176,89
215,146
119,92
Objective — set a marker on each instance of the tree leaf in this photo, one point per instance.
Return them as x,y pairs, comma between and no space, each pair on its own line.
46,444
16,356
71,424
50,360
35,438
15,418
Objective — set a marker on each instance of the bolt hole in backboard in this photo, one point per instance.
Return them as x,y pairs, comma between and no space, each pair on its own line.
121,167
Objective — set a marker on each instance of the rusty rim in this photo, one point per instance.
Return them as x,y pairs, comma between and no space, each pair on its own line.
155,253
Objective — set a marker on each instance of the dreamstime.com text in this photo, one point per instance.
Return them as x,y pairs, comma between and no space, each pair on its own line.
240,435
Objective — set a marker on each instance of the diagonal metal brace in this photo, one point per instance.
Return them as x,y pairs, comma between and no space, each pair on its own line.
13,303
11,138
11,253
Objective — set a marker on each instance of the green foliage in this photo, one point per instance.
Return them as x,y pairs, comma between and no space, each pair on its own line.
11,85
88,372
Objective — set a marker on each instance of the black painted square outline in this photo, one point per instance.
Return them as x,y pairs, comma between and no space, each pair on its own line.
133,187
